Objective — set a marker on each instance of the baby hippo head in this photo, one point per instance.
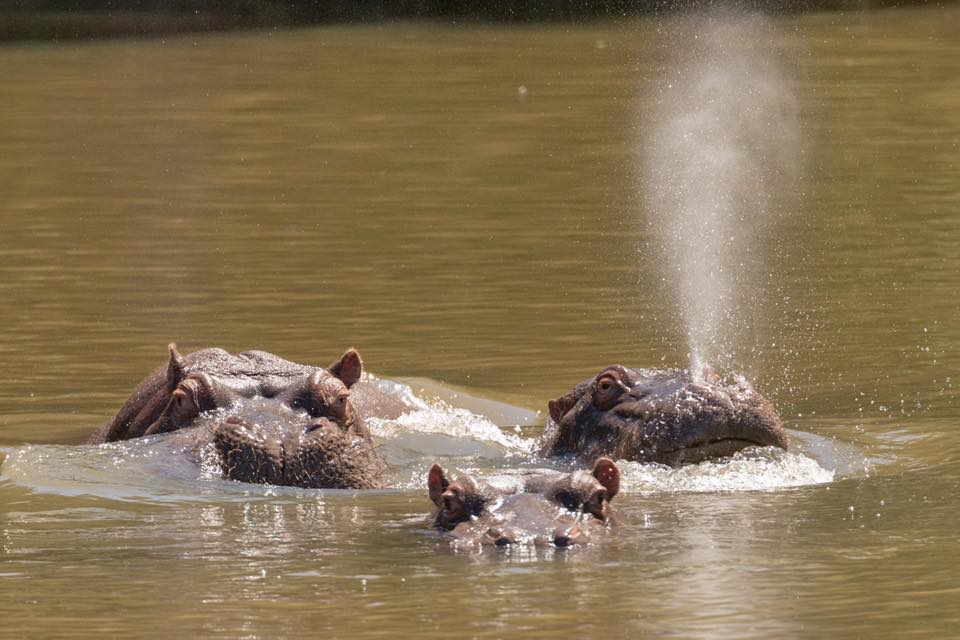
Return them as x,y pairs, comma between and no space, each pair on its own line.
586,491
550,509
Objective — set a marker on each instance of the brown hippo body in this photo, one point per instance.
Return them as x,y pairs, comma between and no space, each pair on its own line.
660,415
268,420
546,509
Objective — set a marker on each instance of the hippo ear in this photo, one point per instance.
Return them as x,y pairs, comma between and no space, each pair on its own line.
559,407
348,368
437,483
608,474
174,367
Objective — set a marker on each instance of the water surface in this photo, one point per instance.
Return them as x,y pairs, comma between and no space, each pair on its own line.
461,203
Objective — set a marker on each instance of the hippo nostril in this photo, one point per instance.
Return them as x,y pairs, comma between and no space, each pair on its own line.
320,424
317,426
498,538
569,537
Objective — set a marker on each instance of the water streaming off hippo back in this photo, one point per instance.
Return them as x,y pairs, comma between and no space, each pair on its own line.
294,192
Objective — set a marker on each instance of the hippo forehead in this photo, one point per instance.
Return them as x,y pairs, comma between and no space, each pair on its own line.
253,372
640,383
527,519
655,386
530,512
238,386
584,482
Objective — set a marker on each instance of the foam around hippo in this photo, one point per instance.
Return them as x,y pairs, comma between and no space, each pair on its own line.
548,509
660,415
267,420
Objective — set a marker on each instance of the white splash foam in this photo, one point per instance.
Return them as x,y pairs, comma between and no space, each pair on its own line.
756,470
450,421
403,392
438,417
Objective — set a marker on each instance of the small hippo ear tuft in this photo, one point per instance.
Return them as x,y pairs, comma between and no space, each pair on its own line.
437,483
608,474
348,368
174,367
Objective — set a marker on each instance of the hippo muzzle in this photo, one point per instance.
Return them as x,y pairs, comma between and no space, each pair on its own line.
292,452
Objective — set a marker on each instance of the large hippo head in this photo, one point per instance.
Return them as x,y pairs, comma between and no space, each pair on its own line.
552,509
660,415
265,419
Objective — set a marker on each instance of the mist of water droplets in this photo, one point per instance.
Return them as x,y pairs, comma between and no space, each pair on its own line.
721,160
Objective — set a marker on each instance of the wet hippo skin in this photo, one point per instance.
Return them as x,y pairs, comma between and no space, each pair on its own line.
660,415
267,420
547,509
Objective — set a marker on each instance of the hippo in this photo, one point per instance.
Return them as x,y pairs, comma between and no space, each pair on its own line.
660,415
263,419
546,509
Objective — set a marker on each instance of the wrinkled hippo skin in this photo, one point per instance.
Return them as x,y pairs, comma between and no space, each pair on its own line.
265,419
548,509
660,415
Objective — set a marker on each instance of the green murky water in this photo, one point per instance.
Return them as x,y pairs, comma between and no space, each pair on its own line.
393,188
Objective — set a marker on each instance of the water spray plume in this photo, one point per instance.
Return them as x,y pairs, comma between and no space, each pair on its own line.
721,157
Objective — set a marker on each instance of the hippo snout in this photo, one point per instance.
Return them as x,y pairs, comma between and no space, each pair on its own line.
312,455
246,455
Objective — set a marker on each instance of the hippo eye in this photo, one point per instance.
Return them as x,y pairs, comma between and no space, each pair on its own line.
606,391
567,500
